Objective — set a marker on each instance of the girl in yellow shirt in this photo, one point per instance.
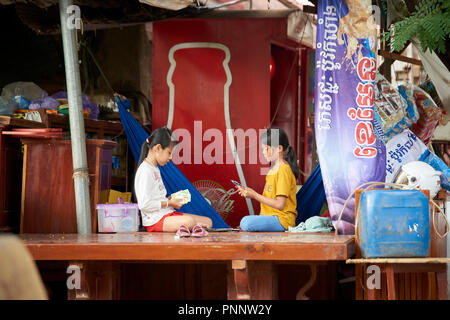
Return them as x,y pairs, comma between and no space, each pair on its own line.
278,200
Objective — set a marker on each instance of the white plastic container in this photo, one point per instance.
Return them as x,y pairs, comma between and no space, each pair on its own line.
118,217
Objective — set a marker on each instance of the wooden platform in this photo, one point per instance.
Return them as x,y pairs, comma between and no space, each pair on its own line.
164,246
250,257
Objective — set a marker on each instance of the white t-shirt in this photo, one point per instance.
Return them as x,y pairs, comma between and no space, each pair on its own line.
150,191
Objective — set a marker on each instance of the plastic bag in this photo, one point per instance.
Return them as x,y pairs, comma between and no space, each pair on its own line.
87,104
407,92
436,162
401,149
7,107
21,102
429,88
44,102
33,116
430,114
390,108
406,147
28,90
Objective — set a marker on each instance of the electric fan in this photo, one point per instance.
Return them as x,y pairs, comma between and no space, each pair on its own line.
216,195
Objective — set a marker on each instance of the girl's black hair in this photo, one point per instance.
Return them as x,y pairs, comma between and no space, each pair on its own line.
163,136
275,137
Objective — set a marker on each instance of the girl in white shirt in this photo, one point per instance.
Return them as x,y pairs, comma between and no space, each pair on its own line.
157,211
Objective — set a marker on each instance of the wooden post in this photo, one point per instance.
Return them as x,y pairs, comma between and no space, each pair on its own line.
241,281
391,282
386,70
252,280
441,281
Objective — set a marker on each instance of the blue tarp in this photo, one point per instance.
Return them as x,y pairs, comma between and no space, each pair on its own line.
172,177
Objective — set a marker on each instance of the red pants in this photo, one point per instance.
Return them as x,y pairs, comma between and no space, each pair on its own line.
158,227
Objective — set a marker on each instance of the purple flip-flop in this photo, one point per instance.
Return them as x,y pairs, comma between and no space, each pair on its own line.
183,232
198,231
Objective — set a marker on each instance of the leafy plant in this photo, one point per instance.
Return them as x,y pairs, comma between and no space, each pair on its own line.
430,23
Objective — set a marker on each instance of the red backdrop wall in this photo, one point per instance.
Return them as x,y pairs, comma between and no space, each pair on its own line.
201,80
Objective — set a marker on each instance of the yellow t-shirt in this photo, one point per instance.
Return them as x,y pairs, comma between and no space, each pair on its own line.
281,182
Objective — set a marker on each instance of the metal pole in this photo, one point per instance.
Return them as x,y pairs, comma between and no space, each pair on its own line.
77,133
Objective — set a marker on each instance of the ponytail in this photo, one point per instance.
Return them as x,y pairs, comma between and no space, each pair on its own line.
163,136
291,159
274,137
144,152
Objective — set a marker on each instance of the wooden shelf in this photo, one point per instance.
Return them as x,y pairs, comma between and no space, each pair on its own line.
20,123
100,127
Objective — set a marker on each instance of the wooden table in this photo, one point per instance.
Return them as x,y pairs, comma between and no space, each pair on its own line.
250,257
390,266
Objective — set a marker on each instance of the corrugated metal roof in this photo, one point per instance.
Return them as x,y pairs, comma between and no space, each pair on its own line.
42,16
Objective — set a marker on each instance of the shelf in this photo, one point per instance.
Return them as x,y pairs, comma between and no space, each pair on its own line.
100,127
22,123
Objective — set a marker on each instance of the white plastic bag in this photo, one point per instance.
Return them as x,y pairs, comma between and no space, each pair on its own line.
6,106
401,149
28,90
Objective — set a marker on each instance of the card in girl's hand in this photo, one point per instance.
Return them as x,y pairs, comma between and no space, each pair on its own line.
183,195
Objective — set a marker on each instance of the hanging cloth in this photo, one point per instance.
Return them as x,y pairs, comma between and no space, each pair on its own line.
438,73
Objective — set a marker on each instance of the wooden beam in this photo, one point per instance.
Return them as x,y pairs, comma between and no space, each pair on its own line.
399,57
398,260
385,68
